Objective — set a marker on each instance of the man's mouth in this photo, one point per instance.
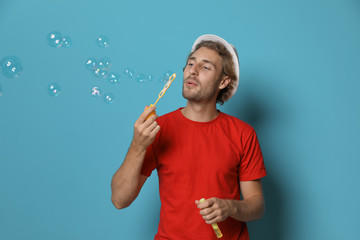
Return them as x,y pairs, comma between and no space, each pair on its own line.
191,82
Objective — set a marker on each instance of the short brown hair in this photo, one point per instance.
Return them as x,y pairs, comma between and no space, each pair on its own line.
227,67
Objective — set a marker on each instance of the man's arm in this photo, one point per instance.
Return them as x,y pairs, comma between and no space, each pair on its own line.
128,180
251,208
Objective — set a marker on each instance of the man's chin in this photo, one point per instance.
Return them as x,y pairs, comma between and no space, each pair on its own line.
191,98
188,97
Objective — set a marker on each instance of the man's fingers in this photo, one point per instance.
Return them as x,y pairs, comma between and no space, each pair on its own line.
212,201
146,113
210,216
214,220
204,204
156,130
206,211
148,122
151,126
150,129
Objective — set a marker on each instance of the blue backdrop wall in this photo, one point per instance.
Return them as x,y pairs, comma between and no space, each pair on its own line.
299,88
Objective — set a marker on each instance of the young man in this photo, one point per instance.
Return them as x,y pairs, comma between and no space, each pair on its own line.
199,152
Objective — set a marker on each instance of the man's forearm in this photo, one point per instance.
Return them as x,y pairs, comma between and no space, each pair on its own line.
247,210
125,182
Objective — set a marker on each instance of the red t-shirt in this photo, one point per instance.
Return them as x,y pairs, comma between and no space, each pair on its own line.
197,160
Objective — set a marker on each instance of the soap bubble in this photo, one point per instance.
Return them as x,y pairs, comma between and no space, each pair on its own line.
105,62
100,73
66,41
100,68
109,98
90,63
55,39
53,89
102,41
141,78
129,73
165,77
150,78
11,66
99,65
113,78
95,91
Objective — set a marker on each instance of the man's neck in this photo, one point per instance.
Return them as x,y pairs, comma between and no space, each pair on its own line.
200,112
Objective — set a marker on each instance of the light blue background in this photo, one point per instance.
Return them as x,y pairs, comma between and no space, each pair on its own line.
299,88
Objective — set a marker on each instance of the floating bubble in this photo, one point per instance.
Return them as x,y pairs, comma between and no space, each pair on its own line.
11,66
55,39
150,78
96,92
105,62
102,41
165,77
141,78
99,65
129,73
100,73
66,41
54,89
90,63
113,78
1,91
109,98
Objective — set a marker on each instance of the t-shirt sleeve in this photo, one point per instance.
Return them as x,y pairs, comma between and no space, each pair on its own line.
149,162
252,164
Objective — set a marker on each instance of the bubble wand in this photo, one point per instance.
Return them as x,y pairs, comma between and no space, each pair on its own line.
162,92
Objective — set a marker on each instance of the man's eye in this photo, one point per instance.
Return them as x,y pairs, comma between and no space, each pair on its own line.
206,68
190,64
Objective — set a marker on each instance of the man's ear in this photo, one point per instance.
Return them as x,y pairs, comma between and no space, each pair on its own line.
224,82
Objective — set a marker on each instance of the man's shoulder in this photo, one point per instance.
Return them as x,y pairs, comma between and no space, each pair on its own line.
233,121
236,120
167,116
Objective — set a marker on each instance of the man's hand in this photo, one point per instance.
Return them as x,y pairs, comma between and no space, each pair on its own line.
214,210
145,129
251,208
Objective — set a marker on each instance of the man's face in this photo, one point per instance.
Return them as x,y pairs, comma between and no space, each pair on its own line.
201,76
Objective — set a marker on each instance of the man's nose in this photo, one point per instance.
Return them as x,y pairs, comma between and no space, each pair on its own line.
194,69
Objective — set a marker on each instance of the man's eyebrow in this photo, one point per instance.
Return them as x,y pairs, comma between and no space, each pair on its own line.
204,60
